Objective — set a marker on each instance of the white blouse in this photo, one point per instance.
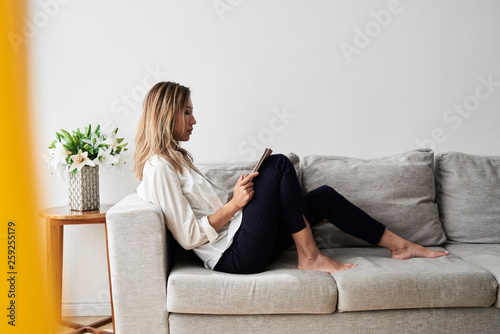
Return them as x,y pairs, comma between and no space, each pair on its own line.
187,200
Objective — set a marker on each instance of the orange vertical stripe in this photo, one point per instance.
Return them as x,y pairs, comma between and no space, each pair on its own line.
24,303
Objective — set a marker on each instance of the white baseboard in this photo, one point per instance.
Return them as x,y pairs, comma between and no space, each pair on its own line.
86,309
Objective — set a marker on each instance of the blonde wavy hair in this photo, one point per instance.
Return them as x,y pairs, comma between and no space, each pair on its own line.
156,128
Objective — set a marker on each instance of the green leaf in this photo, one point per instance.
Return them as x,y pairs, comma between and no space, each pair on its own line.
68,138
69,143
88,130
65,133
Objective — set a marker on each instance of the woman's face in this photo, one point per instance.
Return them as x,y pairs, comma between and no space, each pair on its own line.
184,122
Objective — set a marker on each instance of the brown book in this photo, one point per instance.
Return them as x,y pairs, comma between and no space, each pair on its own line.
267,153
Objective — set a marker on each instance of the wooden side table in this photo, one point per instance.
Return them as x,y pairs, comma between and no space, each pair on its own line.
55,219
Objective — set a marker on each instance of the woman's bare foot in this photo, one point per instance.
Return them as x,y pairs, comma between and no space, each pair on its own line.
324,264
412,250
310,257
403,249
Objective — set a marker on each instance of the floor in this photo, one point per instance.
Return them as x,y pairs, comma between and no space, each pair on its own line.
83,321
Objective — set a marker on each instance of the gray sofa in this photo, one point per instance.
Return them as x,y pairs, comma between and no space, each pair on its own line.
444,201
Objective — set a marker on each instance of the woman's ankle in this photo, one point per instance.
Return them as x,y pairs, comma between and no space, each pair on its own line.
392,241
304,242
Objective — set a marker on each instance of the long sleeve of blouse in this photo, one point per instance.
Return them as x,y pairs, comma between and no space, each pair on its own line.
186,199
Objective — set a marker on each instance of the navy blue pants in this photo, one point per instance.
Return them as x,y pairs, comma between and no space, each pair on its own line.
276,212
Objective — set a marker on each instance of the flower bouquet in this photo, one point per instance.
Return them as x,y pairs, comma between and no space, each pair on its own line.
87,148
81,153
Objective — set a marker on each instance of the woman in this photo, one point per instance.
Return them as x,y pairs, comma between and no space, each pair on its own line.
267,213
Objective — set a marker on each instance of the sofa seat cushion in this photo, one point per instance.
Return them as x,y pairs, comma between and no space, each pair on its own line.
486,256
281,289
398,191
381,283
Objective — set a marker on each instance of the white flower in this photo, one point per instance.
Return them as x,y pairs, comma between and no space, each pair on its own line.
94,141
106,159
56,159
57,156
120,164
111,141
79,160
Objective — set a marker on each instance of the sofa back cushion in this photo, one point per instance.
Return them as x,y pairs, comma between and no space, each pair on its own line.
225,175
468,196
398,191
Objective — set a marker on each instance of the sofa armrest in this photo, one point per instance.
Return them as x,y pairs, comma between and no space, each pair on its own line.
138,247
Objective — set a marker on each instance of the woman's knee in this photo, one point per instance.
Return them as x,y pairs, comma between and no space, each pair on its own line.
326,191
280,158
277,163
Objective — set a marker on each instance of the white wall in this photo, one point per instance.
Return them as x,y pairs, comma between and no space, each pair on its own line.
323,77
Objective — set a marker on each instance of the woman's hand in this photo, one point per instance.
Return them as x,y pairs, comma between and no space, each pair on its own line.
243,190
243,193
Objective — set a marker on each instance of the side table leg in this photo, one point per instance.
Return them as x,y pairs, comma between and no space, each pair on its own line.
55,235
